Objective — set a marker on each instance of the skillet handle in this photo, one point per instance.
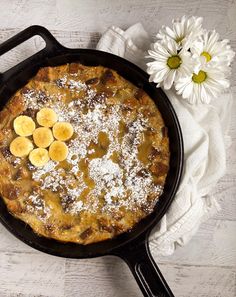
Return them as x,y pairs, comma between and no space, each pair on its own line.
141,263
52,46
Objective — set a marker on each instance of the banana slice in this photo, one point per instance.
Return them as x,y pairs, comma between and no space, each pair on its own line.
58,151
43,137
39,157
46,117
21,146
62,131
24,125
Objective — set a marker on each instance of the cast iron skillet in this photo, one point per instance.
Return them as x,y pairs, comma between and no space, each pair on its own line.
132,246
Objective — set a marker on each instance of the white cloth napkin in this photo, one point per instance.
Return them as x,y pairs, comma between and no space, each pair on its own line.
205,136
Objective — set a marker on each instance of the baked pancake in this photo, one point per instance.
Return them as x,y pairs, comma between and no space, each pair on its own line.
84,154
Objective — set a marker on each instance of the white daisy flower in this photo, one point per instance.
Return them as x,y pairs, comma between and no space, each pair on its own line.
202,87
169,63
212,51
185,31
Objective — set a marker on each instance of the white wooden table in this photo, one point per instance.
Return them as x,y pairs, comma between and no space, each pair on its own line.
206,267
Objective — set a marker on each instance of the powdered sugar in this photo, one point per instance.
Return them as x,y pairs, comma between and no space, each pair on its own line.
67,83
107,175
76,207
40,172
115,181
35,204
104,169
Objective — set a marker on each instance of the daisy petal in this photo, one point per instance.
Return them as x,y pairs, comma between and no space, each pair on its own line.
168,82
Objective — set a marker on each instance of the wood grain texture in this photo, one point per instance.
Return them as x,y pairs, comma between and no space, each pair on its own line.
206,266
200,281
213,245
34,275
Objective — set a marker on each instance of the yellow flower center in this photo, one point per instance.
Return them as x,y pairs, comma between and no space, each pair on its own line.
206,55
179,39
200,77
174,62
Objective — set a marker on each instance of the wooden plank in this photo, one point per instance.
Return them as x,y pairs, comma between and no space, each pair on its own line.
214,245
200,281
10,243
225,194
34,274
91,15
111,277
106,276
